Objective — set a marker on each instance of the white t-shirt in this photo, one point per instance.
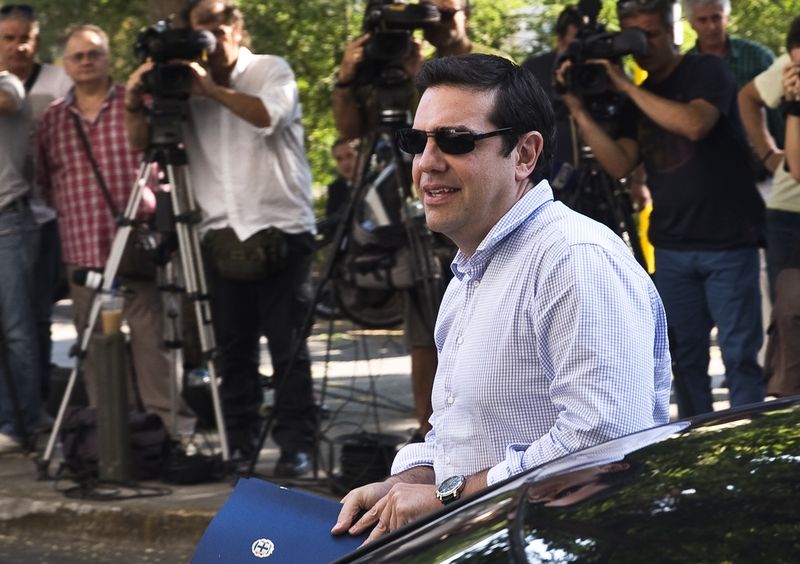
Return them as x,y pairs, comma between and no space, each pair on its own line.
13,155
785,195
246,177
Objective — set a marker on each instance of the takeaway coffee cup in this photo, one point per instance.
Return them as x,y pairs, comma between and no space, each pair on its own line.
111,314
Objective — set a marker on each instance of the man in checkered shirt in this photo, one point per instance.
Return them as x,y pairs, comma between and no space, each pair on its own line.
551,337
86,224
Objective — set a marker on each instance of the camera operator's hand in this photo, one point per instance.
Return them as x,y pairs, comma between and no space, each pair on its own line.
619,80
573,102
353,55
791,82
202,83
134,88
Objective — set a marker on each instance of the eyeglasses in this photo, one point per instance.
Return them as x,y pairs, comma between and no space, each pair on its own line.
25,10
449,140
91,55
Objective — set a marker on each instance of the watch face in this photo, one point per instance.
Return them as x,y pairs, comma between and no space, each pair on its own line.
450,484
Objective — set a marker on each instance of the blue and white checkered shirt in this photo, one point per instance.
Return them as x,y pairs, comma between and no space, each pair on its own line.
551,338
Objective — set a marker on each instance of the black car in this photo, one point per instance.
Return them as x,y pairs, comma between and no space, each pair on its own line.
719,488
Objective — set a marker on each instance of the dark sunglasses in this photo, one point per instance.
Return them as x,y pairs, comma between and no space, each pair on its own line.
23,9
449,140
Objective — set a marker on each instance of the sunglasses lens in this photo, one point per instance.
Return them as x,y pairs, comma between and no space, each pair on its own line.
455,142
412,141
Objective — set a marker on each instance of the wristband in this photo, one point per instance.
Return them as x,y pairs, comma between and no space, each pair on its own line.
791,108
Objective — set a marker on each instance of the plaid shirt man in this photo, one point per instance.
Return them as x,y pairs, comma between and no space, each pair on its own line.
85,222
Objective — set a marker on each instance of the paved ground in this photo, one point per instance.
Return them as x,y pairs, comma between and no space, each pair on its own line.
361,376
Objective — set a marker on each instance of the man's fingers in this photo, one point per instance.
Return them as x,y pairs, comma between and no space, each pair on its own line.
344,521
369,518
379,530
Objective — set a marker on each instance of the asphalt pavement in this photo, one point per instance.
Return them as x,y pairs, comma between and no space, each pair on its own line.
361,379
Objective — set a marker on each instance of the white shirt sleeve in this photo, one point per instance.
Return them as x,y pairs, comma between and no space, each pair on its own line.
769,83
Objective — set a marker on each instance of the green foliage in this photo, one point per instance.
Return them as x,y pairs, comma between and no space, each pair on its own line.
311,36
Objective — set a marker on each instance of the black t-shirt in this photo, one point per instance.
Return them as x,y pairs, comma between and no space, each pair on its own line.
704,193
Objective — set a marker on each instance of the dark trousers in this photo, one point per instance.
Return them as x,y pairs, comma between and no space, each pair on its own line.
274,307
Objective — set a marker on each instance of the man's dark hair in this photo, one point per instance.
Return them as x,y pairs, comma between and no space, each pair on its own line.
661,8
519,101
793,36
569,16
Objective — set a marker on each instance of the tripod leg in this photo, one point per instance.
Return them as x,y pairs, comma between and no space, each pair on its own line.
185,211
109,274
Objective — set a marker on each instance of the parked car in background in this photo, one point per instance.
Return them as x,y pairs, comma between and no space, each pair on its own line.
724,487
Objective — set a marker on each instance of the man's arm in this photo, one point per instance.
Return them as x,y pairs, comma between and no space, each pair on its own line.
249,108
793,145
754,119
346,109
8,104
136,124
12,94
693,119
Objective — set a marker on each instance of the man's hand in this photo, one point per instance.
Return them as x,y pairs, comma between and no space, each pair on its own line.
791,82
359,499
202,83
619,80
570,100
353,55
403,504
134,88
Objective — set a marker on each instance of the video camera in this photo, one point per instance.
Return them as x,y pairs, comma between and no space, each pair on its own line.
594,42
163,44
390,25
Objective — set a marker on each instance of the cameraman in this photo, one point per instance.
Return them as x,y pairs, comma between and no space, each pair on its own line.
251,179
355,113
683,124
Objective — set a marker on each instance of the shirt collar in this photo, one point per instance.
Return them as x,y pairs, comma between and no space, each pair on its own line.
521,212
69,99
244,59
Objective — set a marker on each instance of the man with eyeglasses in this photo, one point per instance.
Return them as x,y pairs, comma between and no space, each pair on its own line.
44,83
708,216
95,109
551,337
252,182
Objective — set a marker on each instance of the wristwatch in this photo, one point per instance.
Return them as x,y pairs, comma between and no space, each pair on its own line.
450,489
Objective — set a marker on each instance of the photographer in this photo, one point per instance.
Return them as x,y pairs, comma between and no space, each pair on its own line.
683,124
355,113
93,110
251,180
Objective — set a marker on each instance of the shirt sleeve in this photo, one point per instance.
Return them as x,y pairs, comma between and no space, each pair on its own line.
769,83
711,80
279,94
584,313
415,454
13,88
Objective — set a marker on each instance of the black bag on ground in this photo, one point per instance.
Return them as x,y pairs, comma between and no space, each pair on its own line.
149,444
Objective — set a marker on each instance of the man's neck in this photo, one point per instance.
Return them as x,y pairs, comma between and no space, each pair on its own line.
455,49
90,96
720,50
661,74
23,73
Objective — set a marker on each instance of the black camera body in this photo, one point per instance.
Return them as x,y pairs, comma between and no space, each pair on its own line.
390,25
163,44
594,42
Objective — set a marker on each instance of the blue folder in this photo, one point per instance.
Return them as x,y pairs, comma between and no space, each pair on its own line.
263,522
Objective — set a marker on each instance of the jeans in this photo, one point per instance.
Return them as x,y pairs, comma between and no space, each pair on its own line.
701,289
274,307
19,353
783,243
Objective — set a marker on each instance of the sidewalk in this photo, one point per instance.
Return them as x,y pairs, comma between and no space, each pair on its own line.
367,388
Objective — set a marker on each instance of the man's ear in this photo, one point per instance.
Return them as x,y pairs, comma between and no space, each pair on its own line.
529,148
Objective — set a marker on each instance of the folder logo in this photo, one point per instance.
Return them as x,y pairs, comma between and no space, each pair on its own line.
263,548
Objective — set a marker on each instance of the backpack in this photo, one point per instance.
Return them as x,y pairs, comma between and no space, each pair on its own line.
149,444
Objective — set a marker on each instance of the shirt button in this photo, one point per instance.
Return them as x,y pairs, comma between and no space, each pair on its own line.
451,400
447,460
476,283
460,340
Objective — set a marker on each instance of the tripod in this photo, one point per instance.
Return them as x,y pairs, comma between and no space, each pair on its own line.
165,150
380,155
604,199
